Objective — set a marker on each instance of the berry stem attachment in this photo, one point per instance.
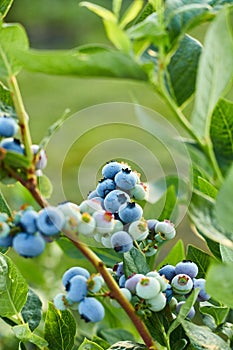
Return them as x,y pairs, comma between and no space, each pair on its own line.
114,290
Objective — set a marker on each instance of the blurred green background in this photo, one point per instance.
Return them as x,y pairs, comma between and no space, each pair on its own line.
56,24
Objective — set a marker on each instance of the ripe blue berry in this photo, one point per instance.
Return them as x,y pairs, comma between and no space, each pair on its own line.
8,127
182,284
105,186
168,271
77,288
130,212
74,271
200,283
115,199
119,269
50,221
111,169
147,287
28,221
28,245
191,313
12,145
92,194
41,157
121,242
125,179
91,310
121,281
157,303
165,229
187,267
6,241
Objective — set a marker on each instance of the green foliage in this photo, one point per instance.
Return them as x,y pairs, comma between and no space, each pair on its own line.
32,310
201,258
89,345
5,6
127,345
219,313
175,255
135,262
23,333
60,329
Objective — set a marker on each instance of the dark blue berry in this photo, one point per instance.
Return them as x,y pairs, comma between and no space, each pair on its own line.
130,212
115,199
168,271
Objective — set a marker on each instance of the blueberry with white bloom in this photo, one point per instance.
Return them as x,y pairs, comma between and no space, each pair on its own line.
50,221
111,169
130,212
74,271
115,199
91,310
125,179
77,288
121,242
28,245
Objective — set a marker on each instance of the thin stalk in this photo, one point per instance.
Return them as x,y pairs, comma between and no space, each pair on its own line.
114,290
22,116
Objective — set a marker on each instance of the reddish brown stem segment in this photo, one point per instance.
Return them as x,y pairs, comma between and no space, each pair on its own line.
115,290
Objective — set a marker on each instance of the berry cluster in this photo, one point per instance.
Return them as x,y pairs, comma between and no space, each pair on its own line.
109,216
80,288
151,292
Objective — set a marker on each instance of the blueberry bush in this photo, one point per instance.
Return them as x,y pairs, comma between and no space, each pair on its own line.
125,298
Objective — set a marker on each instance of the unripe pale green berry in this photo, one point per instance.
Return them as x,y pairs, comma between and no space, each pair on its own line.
147,287
157,303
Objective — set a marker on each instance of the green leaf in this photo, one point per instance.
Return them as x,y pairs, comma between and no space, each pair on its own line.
5,6
219,283
149,29
4,207
99,10
89,345
184,310
226,254
131,13
219,313
175,255
117,36
221,130
23,333
134,262
14,160
127,345
60,329
182,69
206,187
45,186
169,208
159,187
5,96
214,247
100,341
215,72
202,214
32,310
182,15
180,344
90,61
116,7
13,291
201,258
223,203
202,337
12,37
114,335
156,325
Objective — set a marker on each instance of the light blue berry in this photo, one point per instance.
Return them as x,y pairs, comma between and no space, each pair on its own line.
8,127
29,245
165,229
60,302
74,271
50,221
132,281
115,199
105,186
111,169
91,310
41,160
130,212
157,303
28,221
77,288
187,267
200,283
12,145
125,179
148,287
121,242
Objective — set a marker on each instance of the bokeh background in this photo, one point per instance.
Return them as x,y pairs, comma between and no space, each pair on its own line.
55,24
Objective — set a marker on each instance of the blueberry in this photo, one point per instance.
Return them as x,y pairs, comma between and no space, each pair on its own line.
77,288
74,271
200,283
119,269
105,186
121,281
165,229
12,145
90,206
50,221
4,229
115,199
92,194
41,157
187,267
161,279
168,271
72,215
28,245
87,224
130,212
95,283
182,284
60,302
111,169
132,281
6,241
151,223
157,303
169,293
125,179
121,242
91,310
28,221
104,221
8,127
191,313
147,287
